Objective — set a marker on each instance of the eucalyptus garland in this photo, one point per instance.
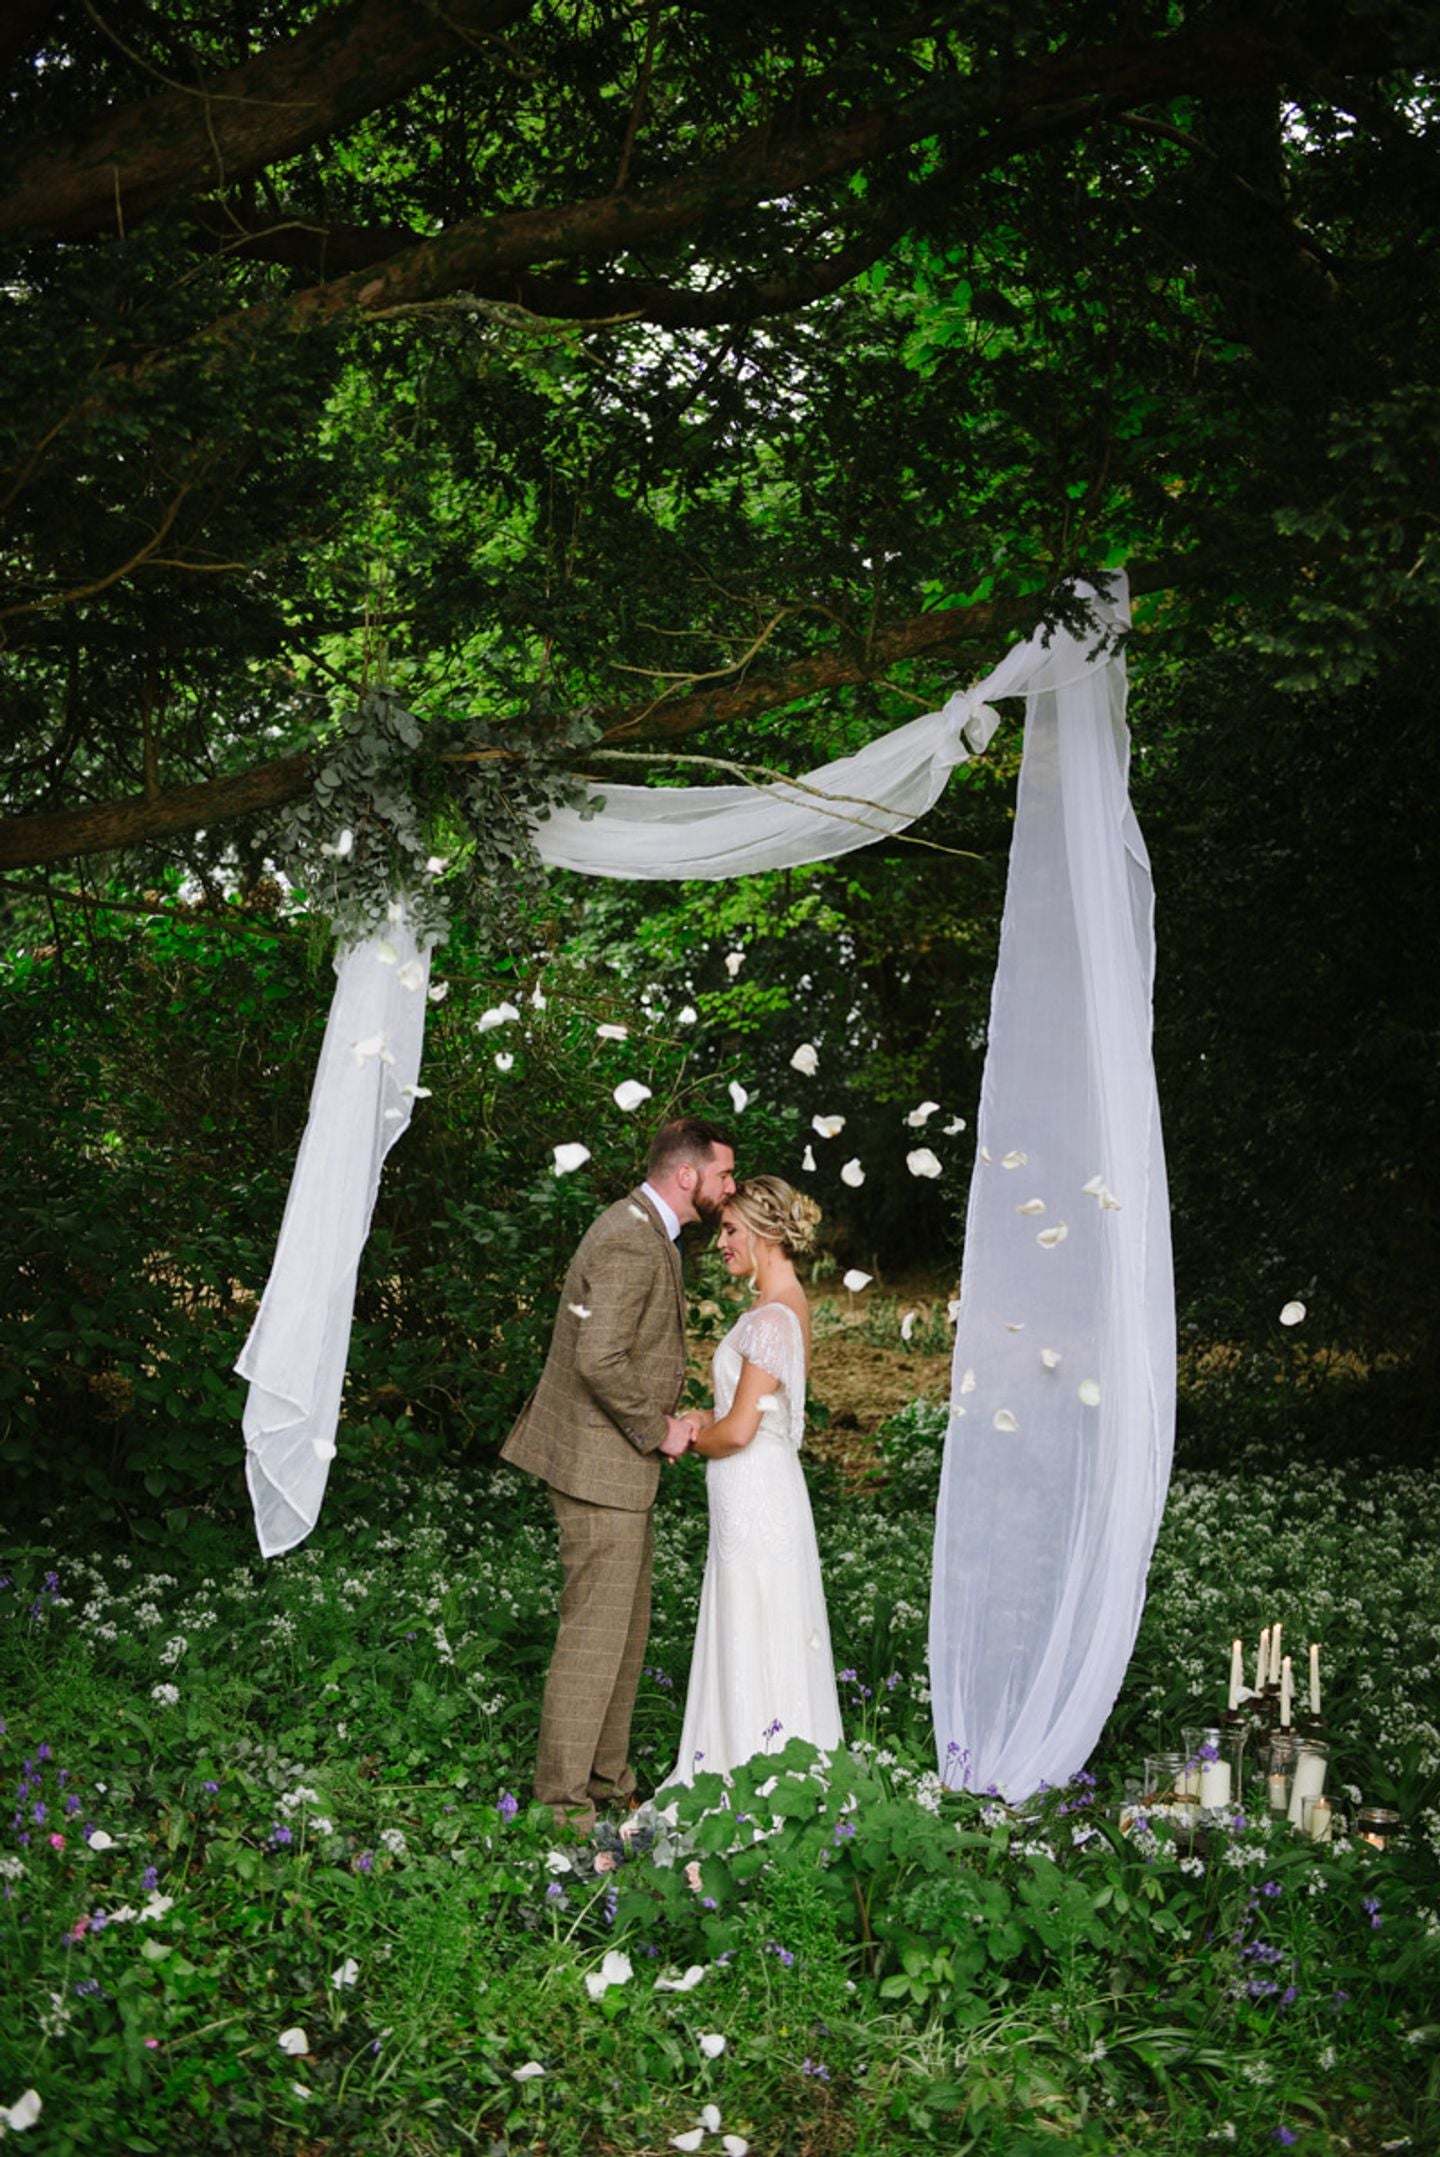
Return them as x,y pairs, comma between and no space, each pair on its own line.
395,817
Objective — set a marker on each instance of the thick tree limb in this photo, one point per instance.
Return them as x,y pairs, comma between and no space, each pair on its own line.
27,842
346,64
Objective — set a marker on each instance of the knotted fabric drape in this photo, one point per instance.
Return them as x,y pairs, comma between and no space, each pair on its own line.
1062,1417
1044,1531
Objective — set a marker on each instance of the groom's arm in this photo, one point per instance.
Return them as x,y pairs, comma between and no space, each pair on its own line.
621,1289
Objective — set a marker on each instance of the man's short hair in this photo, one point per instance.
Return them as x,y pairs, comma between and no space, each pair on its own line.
688,1138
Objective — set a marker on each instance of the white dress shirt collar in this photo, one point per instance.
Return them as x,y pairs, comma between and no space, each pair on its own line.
666,1211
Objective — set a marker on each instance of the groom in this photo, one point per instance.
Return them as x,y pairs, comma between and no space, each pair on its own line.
595,1429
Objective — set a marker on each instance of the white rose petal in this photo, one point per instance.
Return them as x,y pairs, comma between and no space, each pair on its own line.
1050,1359
1292,1314
687,1016
568,1158
346,1975
735,2146
967,1383
1048,1238
922,1162
294,2042
1094,1187
855,1280
806,1060
713,2045
558,1862
497,1015
1089,1392
578,1310
853,1174
504,1061
527,2073
766,1402
687,1983
343,844
807,1161
612,1033
301,2091
324,1448
537,998
386,953
985,1155
827,1126
739,1096
438,993
23,2113
101,1841
710,2119
373,1045
393,1115
1109,1203
614,1970
411,975
1014,1325
952,1311
629,1094
437,865
734,960
907,1324
919,1117
395,912
415,1093
690,2141
1014,1160
956,1123
1004,1421
1032,1205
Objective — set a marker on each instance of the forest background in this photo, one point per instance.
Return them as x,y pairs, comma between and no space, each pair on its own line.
405,408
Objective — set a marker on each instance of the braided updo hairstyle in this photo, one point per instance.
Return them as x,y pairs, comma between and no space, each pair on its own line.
777,1213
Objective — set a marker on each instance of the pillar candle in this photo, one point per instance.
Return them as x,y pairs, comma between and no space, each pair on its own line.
1237,1673
1214,1782
1276,1794
1321,1820
1308,1782
1287,1691
1315,1679
1275,1633
1262,1662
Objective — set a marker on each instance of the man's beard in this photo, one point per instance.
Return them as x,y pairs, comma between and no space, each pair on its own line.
708,1207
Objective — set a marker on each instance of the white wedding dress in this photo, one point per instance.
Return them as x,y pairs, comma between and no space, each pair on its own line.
762,1671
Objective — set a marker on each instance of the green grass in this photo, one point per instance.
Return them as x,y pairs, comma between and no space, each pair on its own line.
340,1779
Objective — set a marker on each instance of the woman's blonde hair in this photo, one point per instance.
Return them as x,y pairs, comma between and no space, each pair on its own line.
777,1213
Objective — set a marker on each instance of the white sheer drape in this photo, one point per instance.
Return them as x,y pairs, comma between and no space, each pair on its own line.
295,1356
1058,1454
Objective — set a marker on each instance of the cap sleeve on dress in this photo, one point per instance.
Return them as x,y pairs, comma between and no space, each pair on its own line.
768,1337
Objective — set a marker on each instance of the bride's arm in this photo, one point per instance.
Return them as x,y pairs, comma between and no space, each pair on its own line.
731,1433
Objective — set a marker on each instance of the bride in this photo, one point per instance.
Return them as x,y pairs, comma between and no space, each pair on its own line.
762,1671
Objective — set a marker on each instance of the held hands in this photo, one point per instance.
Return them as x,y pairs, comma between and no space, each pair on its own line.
679,1434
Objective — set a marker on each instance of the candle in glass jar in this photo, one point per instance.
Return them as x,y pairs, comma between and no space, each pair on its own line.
1308,1782
1214,1782
1287,1693
1275,1632
1315,1679
1319,1819
1277,1794
1237,1674
1262,1661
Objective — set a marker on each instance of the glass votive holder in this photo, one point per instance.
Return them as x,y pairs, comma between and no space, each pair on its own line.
1378,1825
1164,1779
1212,1762
1279,1769
1312,1756
1317,1820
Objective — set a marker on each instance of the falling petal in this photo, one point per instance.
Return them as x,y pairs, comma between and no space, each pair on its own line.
346,1975
324,1448
639,1213
1089,1392
411,975
1032,1205
436,865
735,2146
1003,1420
504,1061
739,1096
100,1840
690,2141
687,1983
710,2119
294,2041
416,1093
1292,1314
806,1060
952,1313
967,1383
613,1033
372,1045
956,1123
438,994
1014,1160
1109,1203
853,1174
1014,1325
393,1115
386,953
807,1161
629,1094
301,2091
1050,1358
907,1324
578,1310
734,960
23,2113
985,1155
497,1015
537,998
687,1016
919,1117
713,2045
855,1280
344,843
922,1162
570,1157
527,2073
395,912
1049,1237
827,1126
1094,1187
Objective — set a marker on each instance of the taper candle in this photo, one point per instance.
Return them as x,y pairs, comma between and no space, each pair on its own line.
1315,1679
1287,1689
1262,1661
1275,1632
1237,1673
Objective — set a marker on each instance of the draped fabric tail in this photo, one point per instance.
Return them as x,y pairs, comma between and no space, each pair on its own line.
296,1352
1058,1454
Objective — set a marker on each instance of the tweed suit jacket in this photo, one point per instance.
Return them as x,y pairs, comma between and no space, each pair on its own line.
593,1424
